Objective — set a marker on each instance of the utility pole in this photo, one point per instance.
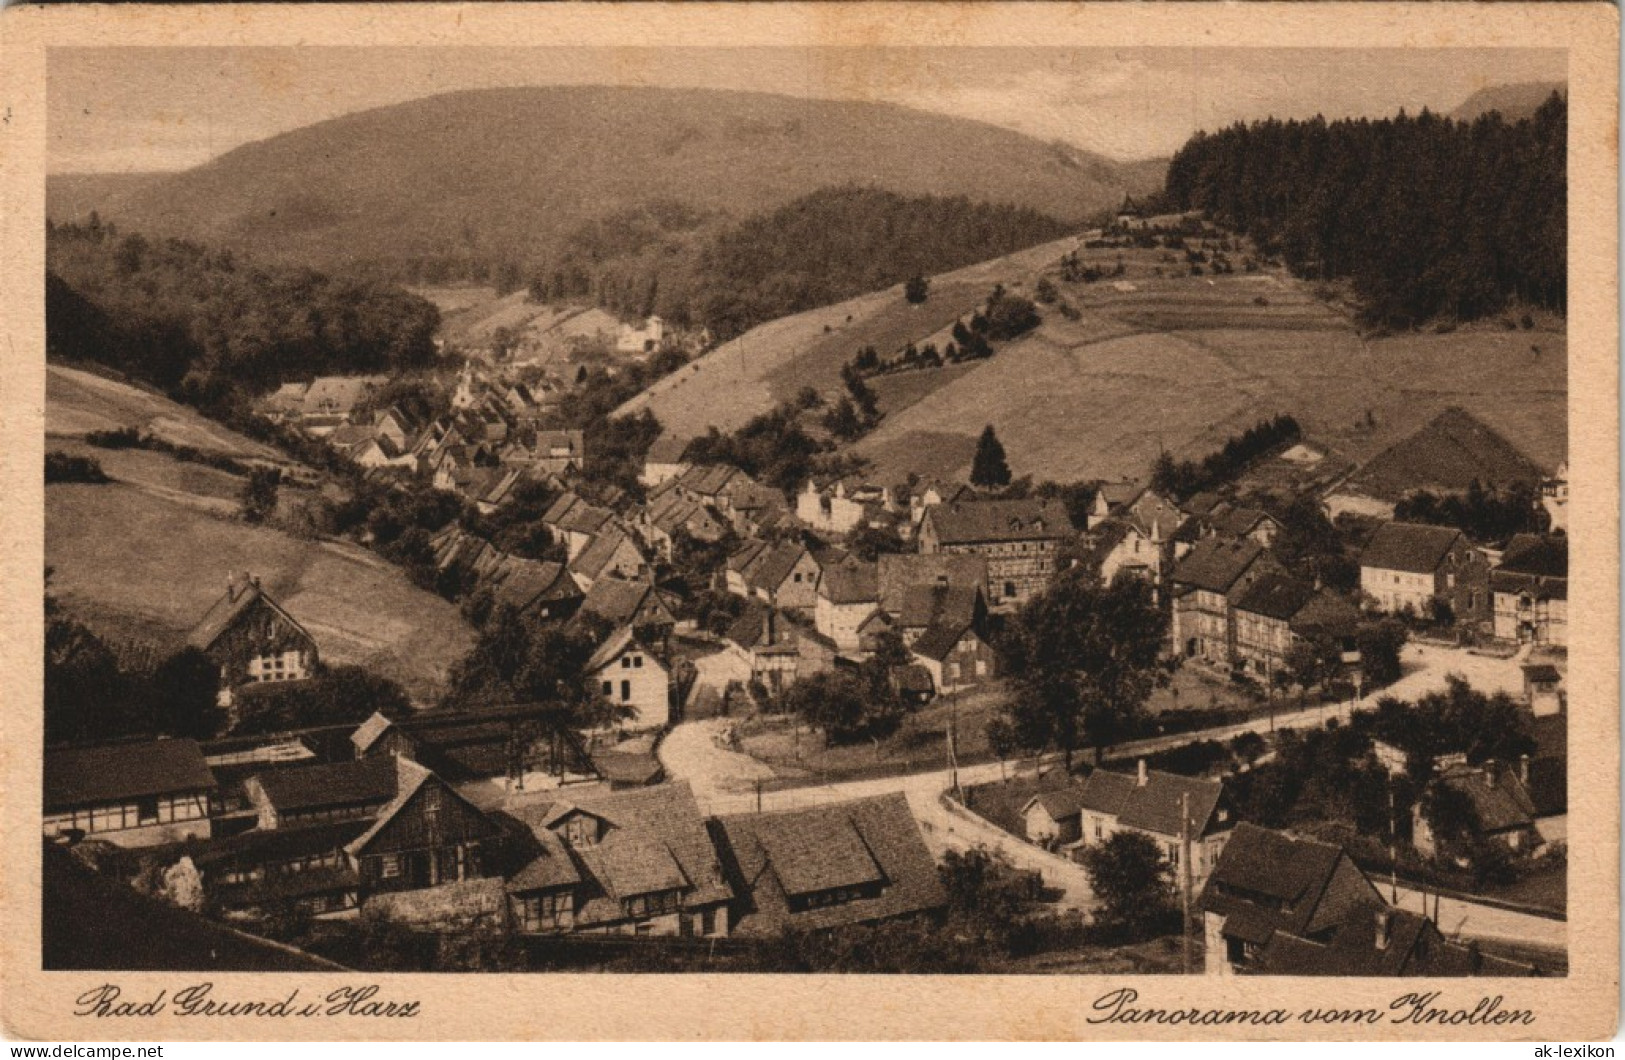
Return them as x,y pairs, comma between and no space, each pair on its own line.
1393,858
953,745
758,794
1185,882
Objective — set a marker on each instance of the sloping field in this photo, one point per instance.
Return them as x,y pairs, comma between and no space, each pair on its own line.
140,566
770,363
1184,363
78,402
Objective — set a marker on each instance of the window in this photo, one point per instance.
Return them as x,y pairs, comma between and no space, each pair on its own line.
146,811
637,662
626,662
581,830
1009,589
650,905
609,688
626,691
389,866
543,912
708,922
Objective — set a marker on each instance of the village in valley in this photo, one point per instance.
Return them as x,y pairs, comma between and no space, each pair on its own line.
534,650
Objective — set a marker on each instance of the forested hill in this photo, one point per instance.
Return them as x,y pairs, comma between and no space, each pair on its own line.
1427,217
206,323
486,178
820,249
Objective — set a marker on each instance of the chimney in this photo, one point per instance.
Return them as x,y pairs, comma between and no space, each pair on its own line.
1523,769
1385,926
1140,775
232,585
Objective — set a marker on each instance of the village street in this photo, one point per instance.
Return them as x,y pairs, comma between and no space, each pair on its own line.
726,781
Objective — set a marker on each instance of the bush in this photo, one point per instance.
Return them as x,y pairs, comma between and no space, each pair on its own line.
62,467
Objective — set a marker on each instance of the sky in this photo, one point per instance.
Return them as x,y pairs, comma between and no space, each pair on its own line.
140,109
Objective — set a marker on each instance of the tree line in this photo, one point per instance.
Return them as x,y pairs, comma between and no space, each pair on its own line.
198,322
1426,216
823,248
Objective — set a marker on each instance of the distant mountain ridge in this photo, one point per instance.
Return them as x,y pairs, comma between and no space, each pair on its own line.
1515,102
508,174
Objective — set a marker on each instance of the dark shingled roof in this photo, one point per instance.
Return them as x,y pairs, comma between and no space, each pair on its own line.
1414,948
1217,563
940,637
977,522
1061,804
657,840
226,610
1277,868
616,599
1500,801
1328,613
1545,555
899,573
667,449
366,780
85,776
1154,805
850,581
1237,522
772,856
1276,596
1412,547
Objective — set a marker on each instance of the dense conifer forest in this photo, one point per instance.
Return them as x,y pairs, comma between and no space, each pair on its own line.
1427,217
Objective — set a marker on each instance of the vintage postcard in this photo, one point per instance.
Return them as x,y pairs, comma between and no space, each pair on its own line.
797,522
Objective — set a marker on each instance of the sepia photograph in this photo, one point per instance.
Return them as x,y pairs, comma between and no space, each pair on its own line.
978,509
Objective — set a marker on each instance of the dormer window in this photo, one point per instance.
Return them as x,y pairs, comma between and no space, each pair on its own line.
580,830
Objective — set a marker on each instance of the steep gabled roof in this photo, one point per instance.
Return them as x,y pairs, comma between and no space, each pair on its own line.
987,522
83,776
620,599
656,840
1500,801
1269,881
225,611
1216,564
1413,547
1544,555
871,843
612,649
1060,804
335,784
850,581
1278,596
592,560
369,732
898,573
667,449
1237,522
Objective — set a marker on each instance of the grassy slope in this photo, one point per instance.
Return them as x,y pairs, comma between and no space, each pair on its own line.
509,171
144,558
769,364
1185,363
1176,362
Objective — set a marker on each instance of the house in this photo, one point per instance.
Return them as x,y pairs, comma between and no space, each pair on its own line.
611,554
1149,802
427,835
337,396
1554,497
1117,545
664,461
1502,810
900,573
1545,775
574,521
285,403
631,602
848,593
538,587
379,451
784,575
1379,940
1018,538
642,341
1544,675
1111,498
557,452
833,510
1205,586
635,862
1408,567
1277,611
670,513
1531,589
1252,523
328,791
306,867
629,675
1267,882
774,650
1054,818
842,863
944,628
252,639
131,794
